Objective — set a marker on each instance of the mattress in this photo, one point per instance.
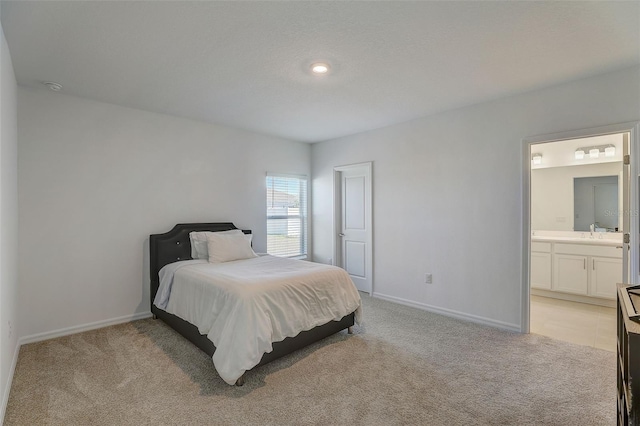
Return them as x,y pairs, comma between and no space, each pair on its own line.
245,306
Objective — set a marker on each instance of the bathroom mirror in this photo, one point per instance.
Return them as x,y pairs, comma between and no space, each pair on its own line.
595,201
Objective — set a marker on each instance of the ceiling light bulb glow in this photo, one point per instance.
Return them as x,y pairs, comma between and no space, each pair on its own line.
579,154
594,153
320,68
610,151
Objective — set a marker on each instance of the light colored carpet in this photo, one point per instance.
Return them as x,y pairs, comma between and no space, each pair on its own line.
403,367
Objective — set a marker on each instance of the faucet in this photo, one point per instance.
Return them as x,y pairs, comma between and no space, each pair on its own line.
593,227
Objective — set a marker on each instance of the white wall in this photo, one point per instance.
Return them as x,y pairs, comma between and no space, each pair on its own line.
96,179
448,196
552,193
8,222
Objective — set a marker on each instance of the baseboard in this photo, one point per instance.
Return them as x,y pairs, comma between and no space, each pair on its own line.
609,303
451,313
80,328
7,387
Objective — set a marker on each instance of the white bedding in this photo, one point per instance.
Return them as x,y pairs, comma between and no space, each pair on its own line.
244,306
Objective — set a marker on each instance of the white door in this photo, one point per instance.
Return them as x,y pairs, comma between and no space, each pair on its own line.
626,208
353,223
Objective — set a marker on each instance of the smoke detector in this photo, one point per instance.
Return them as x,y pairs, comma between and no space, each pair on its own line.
52,85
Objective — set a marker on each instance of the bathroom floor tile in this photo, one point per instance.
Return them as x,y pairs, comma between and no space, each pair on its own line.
579,323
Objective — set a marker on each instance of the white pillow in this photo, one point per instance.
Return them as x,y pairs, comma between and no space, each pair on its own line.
198,240
228,247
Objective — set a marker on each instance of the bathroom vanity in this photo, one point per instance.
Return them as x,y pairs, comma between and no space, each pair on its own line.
580,266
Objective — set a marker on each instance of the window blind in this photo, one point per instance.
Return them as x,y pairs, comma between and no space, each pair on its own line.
286,215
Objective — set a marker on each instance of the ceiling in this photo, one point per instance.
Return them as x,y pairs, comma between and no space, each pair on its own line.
246,64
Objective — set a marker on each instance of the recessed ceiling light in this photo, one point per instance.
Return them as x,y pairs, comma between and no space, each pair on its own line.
320,68
52,85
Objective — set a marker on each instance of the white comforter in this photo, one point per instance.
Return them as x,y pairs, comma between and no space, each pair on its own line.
246,305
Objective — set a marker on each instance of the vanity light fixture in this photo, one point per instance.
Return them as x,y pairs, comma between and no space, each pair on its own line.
595,151
536,159
320,68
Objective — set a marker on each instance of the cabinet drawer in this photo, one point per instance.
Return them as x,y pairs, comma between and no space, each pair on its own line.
588,250
541,247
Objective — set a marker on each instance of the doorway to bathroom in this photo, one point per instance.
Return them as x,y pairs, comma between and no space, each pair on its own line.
578,238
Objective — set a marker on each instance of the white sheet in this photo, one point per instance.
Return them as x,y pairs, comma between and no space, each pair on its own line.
246,305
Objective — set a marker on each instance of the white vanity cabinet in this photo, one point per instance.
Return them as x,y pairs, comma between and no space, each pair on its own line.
605,273
584,269
541,265
570,273
590,270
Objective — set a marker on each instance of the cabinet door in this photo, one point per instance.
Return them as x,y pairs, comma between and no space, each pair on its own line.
605,272
541,270
570,273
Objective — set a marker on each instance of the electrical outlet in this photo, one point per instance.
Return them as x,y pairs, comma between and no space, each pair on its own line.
428,278
330,261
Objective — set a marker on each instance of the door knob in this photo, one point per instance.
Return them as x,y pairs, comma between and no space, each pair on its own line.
341,234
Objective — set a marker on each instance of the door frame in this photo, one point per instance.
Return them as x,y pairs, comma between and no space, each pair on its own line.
633,128
337,216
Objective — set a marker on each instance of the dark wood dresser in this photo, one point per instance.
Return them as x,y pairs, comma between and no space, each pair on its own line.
628,362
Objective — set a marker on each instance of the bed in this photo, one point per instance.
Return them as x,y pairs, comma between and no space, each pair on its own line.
173,249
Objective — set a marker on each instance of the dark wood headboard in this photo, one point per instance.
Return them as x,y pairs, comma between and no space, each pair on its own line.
174,246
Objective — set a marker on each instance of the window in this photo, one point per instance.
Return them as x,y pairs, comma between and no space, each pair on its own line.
286,215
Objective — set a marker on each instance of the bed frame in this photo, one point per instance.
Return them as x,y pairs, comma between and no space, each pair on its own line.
174,246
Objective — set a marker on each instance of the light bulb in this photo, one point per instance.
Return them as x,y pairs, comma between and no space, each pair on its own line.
320,68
